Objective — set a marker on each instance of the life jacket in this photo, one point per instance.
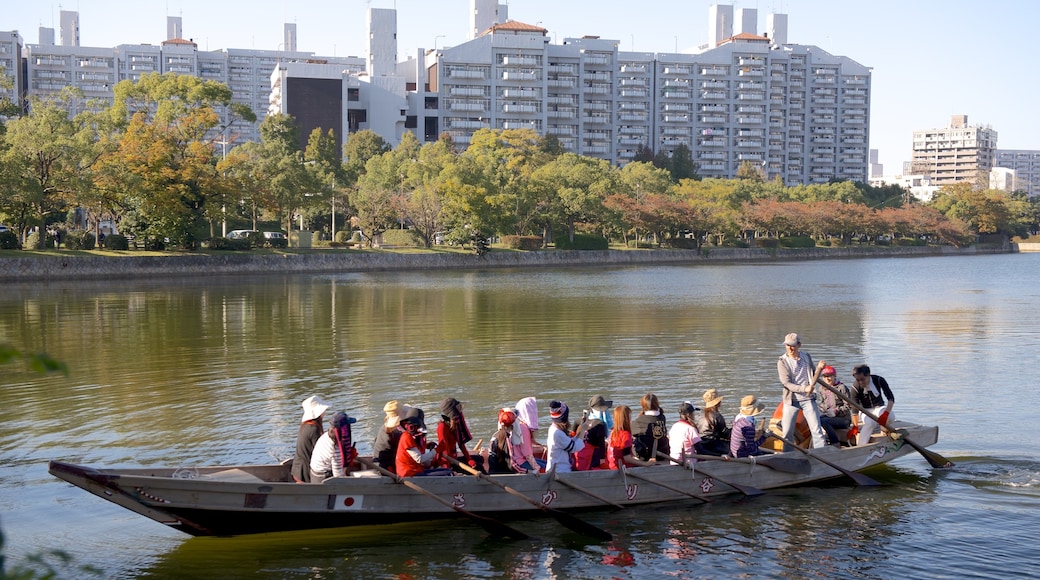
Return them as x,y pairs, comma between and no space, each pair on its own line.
801,427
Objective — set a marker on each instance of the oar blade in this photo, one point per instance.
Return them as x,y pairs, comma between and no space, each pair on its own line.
580,526
798,465
933,458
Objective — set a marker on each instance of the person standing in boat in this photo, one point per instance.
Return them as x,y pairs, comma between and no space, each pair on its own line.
650,429
873,394
711,425
748,434
835,414
619,446
797,376
683,437
334,451
561,444
453,434
310,430
526,425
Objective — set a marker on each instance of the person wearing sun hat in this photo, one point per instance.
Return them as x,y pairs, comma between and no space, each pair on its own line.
384,450
747,436
711,425
310,430
798,377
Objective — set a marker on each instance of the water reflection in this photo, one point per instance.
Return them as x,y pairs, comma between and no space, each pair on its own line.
189,372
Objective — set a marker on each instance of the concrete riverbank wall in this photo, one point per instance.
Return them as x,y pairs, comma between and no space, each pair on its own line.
42,268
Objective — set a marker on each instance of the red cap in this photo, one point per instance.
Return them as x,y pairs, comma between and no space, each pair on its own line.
506,417
828,370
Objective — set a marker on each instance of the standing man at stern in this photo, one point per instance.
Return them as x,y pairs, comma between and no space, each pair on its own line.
798,377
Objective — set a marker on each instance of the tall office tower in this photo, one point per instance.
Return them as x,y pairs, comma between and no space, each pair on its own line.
960,152
382,42
484,14
720,24
69,28
290,37
174,28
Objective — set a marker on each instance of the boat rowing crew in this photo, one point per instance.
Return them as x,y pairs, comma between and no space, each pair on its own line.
248,499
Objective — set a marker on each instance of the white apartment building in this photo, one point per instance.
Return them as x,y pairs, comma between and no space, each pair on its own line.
797,111
1026,165
13,87
50,67
960,152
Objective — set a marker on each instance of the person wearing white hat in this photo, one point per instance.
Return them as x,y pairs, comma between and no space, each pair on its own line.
798,376
310,430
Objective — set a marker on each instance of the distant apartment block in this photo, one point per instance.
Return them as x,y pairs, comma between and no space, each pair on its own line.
794,111
960,152
11,71
1026,165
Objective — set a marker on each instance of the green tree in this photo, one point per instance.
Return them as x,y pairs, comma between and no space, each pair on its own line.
43,164
322,159
380,192
428,180
581,184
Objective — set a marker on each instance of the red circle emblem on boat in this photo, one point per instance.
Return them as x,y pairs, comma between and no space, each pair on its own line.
348,501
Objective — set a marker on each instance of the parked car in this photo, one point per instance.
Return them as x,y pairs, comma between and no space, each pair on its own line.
274,236
240,234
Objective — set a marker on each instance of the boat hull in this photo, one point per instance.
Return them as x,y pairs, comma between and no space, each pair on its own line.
234,500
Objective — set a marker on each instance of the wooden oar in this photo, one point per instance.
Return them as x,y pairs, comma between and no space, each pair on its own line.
663,485
574,523
578,488
747,490
493,527
797,465
933,458
859,478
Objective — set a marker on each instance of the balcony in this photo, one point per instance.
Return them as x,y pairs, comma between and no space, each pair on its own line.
511,75
715,71
712,118
464,106
467,92
563,83
632,117
515,108
519,61
634,93
567,130
633,68
598,89
562,114
633,82
676,70
461,73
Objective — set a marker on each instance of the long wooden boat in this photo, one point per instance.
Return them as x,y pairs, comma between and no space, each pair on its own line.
247,499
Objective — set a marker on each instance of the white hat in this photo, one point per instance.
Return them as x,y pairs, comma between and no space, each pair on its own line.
313,407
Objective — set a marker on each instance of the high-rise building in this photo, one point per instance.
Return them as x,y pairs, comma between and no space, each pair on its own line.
960,152
1026,165
13,87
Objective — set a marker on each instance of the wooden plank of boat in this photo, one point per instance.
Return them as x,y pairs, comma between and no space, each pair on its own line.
568,520
747,490
859,478
581,489
798,465
653,481
493,527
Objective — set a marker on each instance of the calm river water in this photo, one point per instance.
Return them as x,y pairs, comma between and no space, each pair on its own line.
211,371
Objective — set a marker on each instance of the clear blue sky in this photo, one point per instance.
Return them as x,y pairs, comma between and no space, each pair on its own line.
930,58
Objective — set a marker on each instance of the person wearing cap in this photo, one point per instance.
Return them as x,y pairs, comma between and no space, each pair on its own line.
711,425
683,437
797,375
873,394
619,446
593,430
384,449
310,430
835,414
526,425
334,451
560,441
748,433
453,434
650,429
413,458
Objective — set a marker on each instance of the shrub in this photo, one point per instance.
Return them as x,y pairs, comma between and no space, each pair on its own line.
82,240
682,243
278,242
401,238
116,242
34,242
342,237
9,241
154,244
797,242
734,242
908,242
824,243
582,242
522,242
767,243
230,245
